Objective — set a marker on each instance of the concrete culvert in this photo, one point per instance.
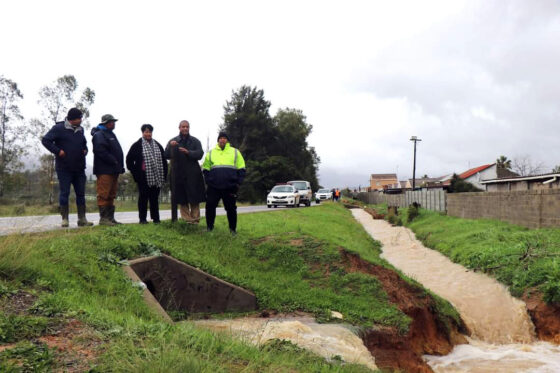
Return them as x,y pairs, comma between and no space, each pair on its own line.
178,286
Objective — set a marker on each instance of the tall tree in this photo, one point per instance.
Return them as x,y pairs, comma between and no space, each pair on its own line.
556,169
55,100
275,149
293,131
11,129
248,123
525,166
503,162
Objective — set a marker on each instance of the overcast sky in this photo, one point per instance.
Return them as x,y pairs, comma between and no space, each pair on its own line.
472,79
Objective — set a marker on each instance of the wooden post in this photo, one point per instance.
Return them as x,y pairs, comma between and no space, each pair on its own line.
172,180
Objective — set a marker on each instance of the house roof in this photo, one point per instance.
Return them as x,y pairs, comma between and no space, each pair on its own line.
474,171
521,178
383,176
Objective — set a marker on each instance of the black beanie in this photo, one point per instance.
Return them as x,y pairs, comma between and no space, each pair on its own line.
74,113
223,134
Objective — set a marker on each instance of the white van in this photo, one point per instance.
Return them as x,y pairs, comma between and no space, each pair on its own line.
304,190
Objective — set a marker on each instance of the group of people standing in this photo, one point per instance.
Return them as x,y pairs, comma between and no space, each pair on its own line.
223,171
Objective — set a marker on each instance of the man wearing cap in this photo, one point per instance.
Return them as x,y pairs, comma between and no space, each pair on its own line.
67,142
224,171
186,176
108,163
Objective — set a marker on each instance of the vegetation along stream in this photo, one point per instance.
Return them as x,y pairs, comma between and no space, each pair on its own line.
502,334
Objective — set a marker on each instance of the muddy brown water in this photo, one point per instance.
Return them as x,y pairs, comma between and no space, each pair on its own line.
503,336
327,340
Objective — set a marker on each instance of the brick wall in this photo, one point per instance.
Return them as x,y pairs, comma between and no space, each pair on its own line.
530,208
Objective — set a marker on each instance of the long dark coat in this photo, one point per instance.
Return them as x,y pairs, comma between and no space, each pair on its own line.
186,174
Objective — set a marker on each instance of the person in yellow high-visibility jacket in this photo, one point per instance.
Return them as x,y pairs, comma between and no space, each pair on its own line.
224,171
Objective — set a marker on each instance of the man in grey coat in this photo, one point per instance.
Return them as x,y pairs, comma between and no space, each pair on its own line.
186,175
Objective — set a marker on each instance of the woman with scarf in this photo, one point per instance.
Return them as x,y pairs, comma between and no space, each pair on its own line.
147,163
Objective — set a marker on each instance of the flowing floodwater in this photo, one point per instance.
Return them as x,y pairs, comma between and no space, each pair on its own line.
503,337
327,340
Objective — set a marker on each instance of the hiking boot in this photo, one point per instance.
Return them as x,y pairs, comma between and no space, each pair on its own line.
104,217
82,221
64,213
112,215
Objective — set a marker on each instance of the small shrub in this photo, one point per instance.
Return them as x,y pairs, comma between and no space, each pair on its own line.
412,213
392,219
18,210
552,293
399,222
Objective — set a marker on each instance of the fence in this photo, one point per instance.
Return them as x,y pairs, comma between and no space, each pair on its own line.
435,199
531,208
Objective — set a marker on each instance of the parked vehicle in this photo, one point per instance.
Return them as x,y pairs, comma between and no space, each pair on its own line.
304,190
283,195
323,195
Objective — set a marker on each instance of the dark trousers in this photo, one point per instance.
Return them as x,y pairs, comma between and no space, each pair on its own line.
229,197
145,194
67,178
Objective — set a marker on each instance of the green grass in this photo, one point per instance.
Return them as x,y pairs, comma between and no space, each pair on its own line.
282,257
521,258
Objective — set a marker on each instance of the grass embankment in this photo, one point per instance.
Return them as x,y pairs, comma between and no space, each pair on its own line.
523,259
290,259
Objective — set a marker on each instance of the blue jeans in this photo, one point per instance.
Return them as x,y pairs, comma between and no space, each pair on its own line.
78,179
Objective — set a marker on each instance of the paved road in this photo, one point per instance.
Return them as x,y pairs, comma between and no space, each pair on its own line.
27,224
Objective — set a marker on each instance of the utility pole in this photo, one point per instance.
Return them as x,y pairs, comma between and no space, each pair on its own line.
415,139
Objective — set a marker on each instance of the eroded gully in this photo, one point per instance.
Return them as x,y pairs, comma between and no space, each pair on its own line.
502,334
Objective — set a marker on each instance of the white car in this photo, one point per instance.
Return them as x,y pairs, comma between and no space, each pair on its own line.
323,195
304,190
283,195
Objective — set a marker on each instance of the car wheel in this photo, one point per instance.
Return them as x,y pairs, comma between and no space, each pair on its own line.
269,206
317,201
308,203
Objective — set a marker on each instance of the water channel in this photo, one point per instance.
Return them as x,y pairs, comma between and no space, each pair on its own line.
503,337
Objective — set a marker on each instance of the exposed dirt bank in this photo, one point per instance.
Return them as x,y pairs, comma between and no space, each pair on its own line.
428,332
546,317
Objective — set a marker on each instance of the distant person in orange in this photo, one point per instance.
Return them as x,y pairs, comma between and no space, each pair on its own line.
337,194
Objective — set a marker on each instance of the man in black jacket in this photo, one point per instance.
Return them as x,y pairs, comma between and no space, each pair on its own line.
67,142
108,163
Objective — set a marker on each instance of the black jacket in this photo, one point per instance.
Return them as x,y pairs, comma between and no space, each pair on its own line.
72,142
108,154
187,182
134,160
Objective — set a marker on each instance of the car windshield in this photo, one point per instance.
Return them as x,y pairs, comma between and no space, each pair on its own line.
282,189
323,191
301,185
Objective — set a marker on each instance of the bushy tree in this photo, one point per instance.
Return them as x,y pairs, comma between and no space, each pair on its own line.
11,129
275,149
55,100
459,185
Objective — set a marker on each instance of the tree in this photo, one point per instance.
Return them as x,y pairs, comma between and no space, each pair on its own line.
10,132
55,100
248,123
293,130
275,149
556,169
459,185
503,162
525,166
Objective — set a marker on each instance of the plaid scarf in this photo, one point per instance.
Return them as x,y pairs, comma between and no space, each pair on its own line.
152,162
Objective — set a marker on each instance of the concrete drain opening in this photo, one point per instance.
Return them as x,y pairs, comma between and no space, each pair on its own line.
175,286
